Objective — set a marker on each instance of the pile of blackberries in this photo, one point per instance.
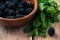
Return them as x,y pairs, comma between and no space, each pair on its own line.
15,8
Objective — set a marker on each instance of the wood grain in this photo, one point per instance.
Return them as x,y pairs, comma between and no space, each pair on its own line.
13,34
18,34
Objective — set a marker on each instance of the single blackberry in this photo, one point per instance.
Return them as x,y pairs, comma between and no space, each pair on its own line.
51,31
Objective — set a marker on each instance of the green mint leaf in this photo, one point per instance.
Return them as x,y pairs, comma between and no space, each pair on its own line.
43,33
44,1
29,28
43,20
50,10
41,6
50,0
37,22
36,32
48,23
32,33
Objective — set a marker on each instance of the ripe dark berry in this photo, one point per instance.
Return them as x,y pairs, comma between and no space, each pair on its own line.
24,3
51,31
0,13
30,5
17,15
16,1
11,12
2,7
21,10
28,10
20,6
15,8
6,11
22,15
10,17
7,3
12,5
20,0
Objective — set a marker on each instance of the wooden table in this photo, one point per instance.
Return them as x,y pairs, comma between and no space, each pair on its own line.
18,34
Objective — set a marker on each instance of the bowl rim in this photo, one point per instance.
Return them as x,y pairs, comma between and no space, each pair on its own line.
34,10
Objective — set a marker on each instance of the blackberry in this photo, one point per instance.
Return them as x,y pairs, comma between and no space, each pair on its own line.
20,0
10,17
17,15
0,13
12,5
20,6
11,12
7,3
28,10
51,31
24,3
2,7
21,10
30,5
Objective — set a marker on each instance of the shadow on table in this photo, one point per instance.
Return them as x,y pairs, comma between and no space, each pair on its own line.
12,29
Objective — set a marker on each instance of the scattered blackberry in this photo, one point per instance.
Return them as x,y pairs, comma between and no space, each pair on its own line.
51,31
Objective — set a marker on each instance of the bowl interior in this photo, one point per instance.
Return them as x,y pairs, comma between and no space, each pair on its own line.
26,15
19,21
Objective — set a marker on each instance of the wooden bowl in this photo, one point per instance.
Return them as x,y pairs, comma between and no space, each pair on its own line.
19,21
